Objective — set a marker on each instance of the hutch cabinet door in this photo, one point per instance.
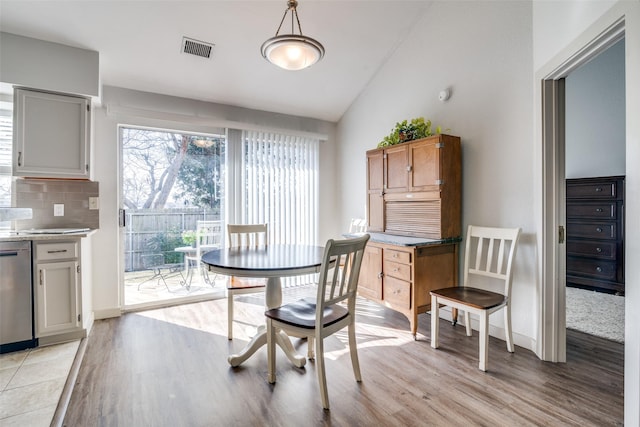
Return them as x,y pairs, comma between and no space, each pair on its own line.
397,164
370,281
424,162
375,190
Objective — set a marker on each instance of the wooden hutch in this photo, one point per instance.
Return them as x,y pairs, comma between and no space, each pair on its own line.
414,219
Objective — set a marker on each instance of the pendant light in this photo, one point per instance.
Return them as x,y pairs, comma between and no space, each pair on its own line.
292,51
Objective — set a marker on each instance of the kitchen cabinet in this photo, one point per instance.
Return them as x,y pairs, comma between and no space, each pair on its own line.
414,188
401,276
57,283
595,233
51,135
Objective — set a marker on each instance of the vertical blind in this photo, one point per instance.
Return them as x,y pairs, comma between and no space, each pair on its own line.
6,132
280,185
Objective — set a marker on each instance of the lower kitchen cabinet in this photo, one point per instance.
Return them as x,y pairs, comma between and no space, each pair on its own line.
58,293
401,277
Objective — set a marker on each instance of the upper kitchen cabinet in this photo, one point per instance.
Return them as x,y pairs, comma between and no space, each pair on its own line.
51,135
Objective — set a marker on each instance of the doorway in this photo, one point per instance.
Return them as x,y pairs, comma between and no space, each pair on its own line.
552,345
595,160
172,195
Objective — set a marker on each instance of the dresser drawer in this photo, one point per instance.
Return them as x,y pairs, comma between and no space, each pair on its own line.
397,293
592,190
397,270
602,250
397,256
54,251
599,269
602,210
592,230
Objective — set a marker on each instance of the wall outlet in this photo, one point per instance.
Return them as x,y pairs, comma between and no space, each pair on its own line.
58,209
94,203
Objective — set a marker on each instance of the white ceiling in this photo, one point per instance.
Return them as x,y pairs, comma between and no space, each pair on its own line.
139,44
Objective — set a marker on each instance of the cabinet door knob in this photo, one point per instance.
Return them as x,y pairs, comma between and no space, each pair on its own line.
599,229
599,269
598,189
599,210
598,250
380,275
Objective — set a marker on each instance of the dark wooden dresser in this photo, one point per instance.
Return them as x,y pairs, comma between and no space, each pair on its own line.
595,233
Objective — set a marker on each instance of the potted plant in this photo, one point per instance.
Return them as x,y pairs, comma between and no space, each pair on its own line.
189,237
405,131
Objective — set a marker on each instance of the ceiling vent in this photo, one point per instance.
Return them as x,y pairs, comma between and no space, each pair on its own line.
196,47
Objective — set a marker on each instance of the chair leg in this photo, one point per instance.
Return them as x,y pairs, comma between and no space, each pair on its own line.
310,346
271,352
322,379
507,327
230,315
353,349
484,340
435,321
467,323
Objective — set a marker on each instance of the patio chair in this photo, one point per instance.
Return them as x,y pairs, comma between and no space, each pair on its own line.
208,237
161,270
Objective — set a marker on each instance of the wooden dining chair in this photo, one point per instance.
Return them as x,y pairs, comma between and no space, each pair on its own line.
244,235
488,257
332,310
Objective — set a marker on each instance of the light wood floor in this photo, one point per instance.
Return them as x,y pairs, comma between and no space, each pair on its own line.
168,368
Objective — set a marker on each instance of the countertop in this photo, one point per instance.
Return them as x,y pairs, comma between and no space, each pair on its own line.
394,239
12,236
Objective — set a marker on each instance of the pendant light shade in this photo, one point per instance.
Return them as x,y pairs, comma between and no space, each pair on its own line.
292,51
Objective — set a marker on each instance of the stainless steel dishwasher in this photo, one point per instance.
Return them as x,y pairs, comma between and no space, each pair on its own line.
16,297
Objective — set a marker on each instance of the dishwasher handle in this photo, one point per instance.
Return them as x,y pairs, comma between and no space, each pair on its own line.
8,253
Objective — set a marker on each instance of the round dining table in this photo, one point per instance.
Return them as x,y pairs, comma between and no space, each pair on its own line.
271,262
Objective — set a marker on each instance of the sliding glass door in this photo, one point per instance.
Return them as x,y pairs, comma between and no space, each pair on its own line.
172,184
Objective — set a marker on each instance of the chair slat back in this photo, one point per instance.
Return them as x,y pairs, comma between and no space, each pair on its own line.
489,252
247,235
336,285
209,234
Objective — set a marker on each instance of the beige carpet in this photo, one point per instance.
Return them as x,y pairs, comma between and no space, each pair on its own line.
596,313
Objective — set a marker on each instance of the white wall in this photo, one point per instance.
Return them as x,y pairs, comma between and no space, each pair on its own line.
69,69
122,106
595,116
557,23
482,51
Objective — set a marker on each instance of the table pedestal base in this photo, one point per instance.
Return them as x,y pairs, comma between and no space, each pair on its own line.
260,339
273,299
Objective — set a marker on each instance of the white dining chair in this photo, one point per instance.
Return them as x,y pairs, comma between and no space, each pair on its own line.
488,257
333,309
244,235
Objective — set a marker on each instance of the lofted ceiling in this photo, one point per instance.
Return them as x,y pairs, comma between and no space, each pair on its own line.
140,46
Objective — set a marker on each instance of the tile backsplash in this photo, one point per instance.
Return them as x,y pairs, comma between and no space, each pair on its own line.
41,194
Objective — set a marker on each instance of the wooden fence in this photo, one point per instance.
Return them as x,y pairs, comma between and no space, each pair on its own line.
150,231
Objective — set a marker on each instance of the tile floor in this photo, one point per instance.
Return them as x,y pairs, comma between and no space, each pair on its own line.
31,382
